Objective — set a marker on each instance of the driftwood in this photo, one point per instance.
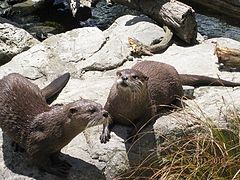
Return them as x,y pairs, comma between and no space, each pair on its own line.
137,48
229,8
179,17
228,56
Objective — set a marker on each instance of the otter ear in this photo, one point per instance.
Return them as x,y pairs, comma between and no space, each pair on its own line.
118,73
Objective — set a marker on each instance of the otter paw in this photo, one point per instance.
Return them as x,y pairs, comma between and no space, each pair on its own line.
105,137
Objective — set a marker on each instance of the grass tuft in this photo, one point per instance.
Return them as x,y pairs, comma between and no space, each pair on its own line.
210,152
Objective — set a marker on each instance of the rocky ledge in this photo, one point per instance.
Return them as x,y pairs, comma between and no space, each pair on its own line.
92,57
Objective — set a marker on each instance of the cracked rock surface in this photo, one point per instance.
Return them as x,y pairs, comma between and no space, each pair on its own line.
13,40
92,57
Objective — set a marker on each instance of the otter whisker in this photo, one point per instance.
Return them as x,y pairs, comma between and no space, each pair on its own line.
136,87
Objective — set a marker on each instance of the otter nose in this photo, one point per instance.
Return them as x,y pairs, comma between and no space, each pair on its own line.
105,114
124,78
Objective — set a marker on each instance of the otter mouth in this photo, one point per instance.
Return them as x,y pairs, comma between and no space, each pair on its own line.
122,83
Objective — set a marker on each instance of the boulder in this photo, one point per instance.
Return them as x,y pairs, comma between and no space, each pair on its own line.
93,57
13,40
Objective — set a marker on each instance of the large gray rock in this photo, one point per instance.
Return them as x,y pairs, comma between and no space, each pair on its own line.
13,41
93,57
82,50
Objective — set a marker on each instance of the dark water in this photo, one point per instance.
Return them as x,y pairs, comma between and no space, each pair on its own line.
213,27
103,15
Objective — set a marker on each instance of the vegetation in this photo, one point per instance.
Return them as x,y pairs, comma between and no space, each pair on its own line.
209,152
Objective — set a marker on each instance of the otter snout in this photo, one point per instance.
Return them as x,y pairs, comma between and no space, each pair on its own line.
105,114
123,81
124,78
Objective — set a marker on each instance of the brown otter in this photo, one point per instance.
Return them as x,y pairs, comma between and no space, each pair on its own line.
40,129
142,91
50,93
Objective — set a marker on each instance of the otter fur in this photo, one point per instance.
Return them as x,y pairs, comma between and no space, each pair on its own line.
40,129
141,92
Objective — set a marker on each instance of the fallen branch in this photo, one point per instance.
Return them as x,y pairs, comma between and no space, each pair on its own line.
139,48
228,56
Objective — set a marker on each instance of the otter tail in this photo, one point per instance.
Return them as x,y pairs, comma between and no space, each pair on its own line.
51,91
197,81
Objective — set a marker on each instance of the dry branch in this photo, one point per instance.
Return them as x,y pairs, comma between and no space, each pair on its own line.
228,56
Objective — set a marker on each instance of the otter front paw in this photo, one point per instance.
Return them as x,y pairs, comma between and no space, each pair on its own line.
105,137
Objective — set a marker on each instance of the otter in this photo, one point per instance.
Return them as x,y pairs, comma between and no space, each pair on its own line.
50,93
140,93
40,129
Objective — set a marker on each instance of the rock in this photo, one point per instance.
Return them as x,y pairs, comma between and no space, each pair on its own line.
26,7
13,41
4,20
116,49
56,54
50,16
85,49
81,9
5,8
93,57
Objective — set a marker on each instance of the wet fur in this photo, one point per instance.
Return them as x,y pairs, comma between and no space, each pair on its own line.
40,129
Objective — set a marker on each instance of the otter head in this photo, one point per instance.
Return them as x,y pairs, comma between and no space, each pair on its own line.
130,79
86,113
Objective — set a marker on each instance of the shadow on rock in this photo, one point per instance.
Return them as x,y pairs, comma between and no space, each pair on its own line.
141,151
21,164
138,19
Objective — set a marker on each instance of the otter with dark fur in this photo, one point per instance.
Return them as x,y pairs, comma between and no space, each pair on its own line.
40,129
141,92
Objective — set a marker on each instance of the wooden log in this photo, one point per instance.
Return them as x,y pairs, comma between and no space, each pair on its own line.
138,48
179,17
227,8
229,57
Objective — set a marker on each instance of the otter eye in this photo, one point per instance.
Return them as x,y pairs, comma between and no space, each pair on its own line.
135,77
92,110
